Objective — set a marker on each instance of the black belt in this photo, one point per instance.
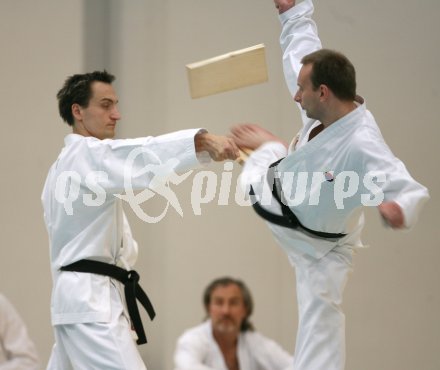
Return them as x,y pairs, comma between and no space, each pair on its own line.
132,289
288,218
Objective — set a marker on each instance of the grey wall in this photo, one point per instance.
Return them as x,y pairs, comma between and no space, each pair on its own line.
41,44
392,300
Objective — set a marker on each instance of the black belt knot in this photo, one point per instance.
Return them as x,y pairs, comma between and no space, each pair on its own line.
133,276
288,218
132,289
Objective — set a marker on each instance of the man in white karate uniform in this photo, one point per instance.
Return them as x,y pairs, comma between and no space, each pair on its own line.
313,197
227,340
17,351
92,250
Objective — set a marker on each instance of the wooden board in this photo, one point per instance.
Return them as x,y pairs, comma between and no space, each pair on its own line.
229,71
244,155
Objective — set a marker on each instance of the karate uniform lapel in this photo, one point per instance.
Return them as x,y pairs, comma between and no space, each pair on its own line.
308,156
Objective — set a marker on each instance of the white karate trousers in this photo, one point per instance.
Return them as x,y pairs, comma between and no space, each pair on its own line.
97,346
320,341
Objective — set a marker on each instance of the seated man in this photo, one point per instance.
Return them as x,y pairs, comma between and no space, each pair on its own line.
227,340
17,351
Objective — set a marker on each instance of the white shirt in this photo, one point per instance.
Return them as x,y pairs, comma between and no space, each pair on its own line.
85,219
352,146
17,351
197,350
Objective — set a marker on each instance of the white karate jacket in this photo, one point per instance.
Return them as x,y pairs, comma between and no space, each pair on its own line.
92,225
349,148
197,350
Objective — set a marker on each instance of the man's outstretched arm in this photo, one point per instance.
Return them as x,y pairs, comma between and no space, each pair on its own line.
299,37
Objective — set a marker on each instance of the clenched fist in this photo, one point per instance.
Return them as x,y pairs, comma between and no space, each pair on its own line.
392,214
220,148
283,5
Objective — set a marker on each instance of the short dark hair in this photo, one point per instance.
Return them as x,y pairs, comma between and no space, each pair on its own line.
245,292
334,70
77,90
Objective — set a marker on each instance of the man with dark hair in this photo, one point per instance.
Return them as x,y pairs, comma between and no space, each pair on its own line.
312,192
77,90
91,247
227,340
245,295
334,70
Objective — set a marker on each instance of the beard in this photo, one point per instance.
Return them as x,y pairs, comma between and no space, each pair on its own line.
226,325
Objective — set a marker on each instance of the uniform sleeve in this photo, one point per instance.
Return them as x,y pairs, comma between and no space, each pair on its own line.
18,348
299,37
398,185
189,354
136,162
